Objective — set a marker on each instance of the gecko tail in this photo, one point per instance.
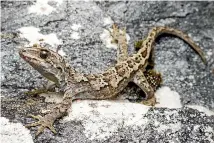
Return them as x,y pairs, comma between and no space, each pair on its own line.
157,31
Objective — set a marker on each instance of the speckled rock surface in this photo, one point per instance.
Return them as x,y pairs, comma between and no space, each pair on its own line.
182,69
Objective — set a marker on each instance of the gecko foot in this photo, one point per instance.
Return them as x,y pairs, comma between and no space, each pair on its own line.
117,33
43,123
149,102
114,34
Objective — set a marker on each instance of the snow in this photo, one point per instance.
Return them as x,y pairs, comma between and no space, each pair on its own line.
76,27
107,38
41,7
75,35
107,21
14,132
33,36
167,98
106,115
61,52
102,119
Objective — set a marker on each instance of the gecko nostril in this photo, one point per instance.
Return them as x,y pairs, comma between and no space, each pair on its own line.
21,51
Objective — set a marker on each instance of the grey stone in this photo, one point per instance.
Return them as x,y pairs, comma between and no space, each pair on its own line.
182,70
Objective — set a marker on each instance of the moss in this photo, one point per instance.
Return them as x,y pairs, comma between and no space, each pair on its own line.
138,44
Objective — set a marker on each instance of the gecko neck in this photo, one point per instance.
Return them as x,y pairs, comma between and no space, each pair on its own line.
70,72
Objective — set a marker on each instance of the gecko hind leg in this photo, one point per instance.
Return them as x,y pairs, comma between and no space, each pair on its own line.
154,79
141,81
119,38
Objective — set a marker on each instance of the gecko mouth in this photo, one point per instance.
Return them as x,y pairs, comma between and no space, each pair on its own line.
21,53
25,57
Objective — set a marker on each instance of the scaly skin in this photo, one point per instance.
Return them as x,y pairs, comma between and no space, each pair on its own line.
95,86
153,78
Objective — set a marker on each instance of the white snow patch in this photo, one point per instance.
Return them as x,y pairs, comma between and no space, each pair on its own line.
164,22
33,36
201,109
2,76
52,39
75,35
107,38
14,132
107,21
76,27
209,53
102,119
41,7
167,98
61,52
127,38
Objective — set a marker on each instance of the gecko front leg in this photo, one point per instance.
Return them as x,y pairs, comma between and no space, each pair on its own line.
119,38
48,120
151,77
47,88
60,110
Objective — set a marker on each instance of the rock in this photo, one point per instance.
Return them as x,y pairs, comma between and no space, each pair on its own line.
78,28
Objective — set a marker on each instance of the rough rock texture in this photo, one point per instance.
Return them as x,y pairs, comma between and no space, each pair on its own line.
182,69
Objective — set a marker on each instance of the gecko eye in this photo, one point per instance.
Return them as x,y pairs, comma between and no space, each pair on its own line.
59,68
44,54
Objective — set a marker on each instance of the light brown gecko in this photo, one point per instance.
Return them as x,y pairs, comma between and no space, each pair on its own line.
105,85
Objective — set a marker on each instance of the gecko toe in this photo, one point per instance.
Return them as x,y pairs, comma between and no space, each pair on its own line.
149,102
43,123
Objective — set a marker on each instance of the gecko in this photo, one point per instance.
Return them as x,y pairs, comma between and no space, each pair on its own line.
105,85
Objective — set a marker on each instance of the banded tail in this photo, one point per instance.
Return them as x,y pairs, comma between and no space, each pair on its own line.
157,31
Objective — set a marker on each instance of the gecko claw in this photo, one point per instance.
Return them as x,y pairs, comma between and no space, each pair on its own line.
52,129
43,122
38,117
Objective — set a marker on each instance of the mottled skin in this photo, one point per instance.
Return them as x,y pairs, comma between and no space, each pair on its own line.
105,85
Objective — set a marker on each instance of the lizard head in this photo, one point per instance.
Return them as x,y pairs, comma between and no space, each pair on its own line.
47,62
